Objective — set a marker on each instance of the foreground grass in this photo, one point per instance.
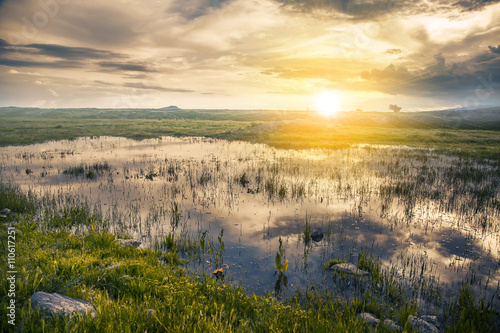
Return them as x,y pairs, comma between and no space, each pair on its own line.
142,293
150,292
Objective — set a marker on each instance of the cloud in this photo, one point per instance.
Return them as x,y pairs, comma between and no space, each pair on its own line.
437,79
495,49
73,57
132,67
473,5
192,9
57,51
394,51
366,9
73,53
41,64
158,88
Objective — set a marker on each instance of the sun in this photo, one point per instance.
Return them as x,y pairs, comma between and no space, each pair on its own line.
328,103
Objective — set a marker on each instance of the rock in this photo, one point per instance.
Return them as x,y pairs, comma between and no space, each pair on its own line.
349,268
369,318
392,325
431,319
60,304
6,212
113,265
421,325
128,242
317,235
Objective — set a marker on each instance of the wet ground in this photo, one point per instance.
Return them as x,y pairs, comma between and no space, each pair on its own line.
258,195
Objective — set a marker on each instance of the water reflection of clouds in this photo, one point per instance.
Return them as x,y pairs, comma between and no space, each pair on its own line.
336,200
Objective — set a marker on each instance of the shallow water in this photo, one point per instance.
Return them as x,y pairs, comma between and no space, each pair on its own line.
340,192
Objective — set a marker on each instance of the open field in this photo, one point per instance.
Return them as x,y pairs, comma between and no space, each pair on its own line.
473,133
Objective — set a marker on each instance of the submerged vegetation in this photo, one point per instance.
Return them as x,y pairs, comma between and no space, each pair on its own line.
139,290
89,171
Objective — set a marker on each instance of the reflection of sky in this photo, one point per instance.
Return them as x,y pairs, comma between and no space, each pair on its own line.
339,198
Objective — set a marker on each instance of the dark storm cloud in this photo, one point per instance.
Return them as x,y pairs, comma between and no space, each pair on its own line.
364,9
357,9
440,78
74,53
495,49
57,51
39,64
191,9
125,66
73,57
475,4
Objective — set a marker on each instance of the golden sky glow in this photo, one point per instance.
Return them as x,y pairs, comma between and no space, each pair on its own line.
240,54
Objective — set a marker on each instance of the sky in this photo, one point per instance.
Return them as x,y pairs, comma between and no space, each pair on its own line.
250,54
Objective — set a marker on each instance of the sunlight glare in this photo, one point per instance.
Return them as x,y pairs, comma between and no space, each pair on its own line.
328,103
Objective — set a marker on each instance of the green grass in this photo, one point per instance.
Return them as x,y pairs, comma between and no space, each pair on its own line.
317,135
142,294
465,133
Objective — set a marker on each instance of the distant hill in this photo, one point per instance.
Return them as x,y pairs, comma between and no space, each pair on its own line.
171,107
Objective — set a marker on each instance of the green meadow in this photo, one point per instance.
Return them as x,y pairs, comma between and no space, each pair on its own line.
473,133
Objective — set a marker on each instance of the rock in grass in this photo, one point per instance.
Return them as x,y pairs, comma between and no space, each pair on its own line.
392,325
421,325
113,265
61,304
349,269
369,318
372,320
431,319
128,242
6,212
317,235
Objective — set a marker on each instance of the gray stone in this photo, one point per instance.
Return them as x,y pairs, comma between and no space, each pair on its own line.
431,319
392,325
6,212
349,269
317,235
61,304
113,265
128,242
369,318
421,325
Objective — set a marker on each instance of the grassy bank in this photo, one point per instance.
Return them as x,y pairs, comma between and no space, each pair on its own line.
466,133
150,291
